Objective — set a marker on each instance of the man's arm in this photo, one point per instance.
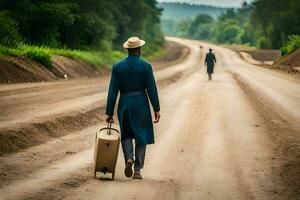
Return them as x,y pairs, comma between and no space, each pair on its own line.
112,95
152,93
214,57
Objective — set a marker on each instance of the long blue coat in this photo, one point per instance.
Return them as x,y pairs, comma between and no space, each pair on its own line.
133,74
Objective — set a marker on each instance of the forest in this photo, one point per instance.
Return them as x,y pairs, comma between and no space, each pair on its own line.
265,24
186,10
93,30
37,28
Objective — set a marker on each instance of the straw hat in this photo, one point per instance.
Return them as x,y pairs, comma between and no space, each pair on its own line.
133,42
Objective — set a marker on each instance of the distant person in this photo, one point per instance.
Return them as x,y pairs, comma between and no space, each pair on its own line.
134,79
210,61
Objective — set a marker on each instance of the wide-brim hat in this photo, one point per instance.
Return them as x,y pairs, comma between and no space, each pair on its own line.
133,42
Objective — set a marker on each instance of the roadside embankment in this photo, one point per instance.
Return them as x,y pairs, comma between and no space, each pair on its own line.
20,69
290,62
272,59
174,54
260,57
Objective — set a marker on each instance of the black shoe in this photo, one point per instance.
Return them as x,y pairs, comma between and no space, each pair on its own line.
128,168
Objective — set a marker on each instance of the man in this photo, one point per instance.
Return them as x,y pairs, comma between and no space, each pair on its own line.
134,78
210,61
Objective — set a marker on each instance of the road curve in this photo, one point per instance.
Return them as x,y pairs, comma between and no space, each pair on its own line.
229,138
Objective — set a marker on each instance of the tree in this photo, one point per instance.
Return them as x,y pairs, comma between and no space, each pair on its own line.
277,20
9,35
200,24
79,24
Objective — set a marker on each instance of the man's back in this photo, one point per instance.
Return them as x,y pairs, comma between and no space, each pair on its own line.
210,59
132,74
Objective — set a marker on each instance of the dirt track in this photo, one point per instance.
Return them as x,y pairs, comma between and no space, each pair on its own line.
236,137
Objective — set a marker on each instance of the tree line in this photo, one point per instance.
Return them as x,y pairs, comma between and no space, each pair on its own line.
78,24
265,24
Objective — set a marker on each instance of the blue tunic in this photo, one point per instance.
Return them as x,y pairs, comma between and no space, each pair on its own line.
133,74
210,61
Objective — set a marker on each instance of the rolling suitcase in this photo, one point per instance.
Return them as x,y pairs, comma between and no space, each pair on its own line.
106,150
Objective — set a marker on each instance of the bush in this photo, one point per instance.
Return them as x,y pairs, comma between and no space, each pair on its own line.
292,44
263,43
9,35
37,54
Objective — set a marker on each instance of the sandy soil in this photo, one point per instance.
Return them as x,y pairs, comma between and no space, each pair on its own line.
290,62
236,137
271,59
20,70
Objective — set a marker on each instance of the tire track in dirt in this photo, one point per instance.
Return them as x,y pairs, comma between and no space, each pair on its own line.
23,136
37,157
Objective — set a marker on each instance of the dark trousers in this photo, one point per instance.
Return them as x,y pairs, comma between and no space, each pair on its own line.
139,153
209,76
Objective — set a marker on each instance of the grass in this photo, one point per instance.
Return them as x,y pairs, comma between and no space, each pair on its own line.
152,52
100,58
43,55
291,45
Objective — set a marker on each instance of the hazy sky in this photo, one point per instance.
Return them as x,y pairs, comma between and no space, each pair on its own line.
223,3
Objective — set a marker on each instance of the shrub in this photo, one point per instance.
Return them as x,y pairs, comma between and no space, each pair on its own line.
38,55
263,43
292,44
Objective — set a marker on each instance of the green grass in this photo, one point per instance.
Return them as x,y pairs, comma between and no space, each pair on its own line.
292,44
100,58
152,52
43,55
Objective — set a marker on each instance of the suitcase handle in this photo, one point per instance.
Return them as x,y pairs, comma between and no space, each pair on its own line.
108,128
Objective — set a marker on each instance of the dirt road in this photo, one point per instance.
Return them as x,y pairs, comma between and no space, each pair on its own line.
236,137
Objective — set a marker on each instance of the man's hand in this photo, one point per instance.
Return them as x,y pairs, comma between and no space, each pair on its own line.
109,119
157,117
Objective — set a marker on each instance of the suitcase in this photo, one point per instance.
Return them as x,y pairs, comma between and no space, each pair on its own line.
107,142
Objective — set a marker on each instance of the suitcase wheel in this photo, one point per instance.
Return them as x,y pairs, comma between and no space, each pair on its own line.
95,174
113,176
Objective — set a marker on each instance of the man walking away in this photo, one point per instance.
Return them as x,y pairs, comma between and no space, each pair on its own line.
210,61
134,78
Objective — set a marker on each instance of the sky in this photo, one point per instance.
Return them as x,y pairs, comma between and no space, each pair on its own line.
222,3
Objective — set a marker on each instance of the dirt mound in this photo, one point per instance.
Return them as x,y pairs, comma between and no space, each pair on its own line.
265,55
26,135
290,61
260,57
17,70
13,70
74,68
249,58
175,53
